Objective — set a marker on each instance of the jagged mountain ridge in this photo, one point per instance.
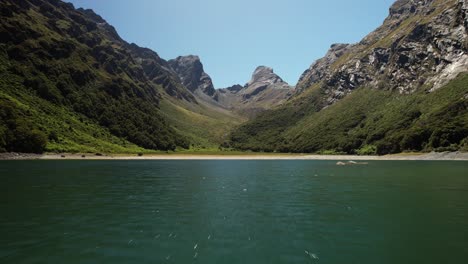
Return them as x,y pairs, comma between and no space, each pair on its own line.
265,90
401,88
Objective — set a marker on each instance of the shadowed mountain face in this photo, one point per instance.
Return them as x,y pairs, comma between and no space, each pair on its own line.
403,87
70,83
191,73
72,59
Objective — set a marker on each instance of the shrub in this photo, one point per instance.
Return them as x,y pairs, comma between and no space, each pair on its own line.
27,140
367,150
53,136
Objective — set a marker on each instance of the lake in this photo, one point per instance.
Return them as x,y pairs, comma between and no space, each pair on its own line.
288,211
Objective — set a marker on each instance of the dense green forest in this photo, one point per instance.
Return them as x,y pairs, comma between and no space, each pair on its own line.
69,83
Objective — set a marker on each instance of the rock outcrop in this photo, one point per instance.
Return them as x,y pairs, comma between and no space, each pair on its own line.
420,44
191,73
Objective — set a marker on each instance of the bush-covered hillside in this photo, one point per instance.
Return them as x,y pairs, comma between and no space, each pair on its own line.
368,121
53,56
388,93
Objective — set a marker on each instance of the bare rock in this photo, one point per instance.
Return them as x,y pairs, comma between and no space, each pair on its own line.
190,71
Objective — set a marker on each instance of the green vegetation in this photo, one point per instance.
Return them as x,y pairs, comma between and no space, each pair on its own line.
367,121
69,83
367,150
61,73
63,130
17,133
204,126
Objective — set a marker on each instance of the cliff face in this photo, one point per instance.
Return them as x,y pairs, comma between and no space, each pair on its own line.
420,44
402,87
191,73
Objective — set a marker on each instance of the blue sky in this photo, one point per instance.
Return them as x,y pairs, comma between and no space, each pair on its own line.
233,37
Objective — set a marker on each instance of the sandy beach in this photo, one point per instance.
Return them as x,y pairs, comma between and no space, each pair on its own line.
462,156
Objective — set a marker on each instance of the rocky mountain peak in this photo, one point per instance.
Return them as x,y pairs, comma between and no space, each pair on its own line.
422,43
192,75
264,91
264,75
403,8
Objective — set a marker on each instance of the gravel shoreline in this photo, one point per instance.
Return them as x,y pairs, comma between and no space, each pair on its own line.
463,156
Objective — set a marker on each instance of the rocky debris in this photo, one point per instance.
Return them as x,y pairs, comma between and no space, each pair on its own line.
423,43
19,156
350,162
190,71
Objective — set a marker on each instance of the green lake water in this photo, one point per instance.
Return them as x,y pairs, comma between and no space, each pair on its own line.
233,212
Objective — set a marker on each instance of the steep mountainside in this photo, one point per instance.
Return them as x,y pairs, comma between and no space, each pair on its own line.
191,73
403,87
420,43
68,82
264,91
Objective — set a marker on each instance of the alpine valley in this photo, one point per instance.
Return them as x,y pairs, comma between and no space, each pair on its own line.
70,83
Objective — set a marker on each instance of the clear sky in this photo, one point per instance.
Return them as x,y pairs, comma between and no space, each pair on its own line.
233,37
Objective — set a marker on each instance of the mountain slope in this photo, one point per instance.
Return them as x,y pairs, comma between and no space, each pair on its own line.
68,76
401,88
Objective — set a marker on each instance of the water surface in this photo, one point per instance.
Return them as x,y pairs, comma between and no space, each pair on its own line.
233,212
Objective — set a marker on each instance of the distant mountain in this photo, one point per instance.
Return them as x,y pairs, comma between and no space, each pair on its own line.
264,91
191,73
404,87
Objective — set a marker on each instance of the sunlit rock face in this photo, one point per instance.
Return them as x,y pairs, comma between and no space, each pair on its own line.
421,44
